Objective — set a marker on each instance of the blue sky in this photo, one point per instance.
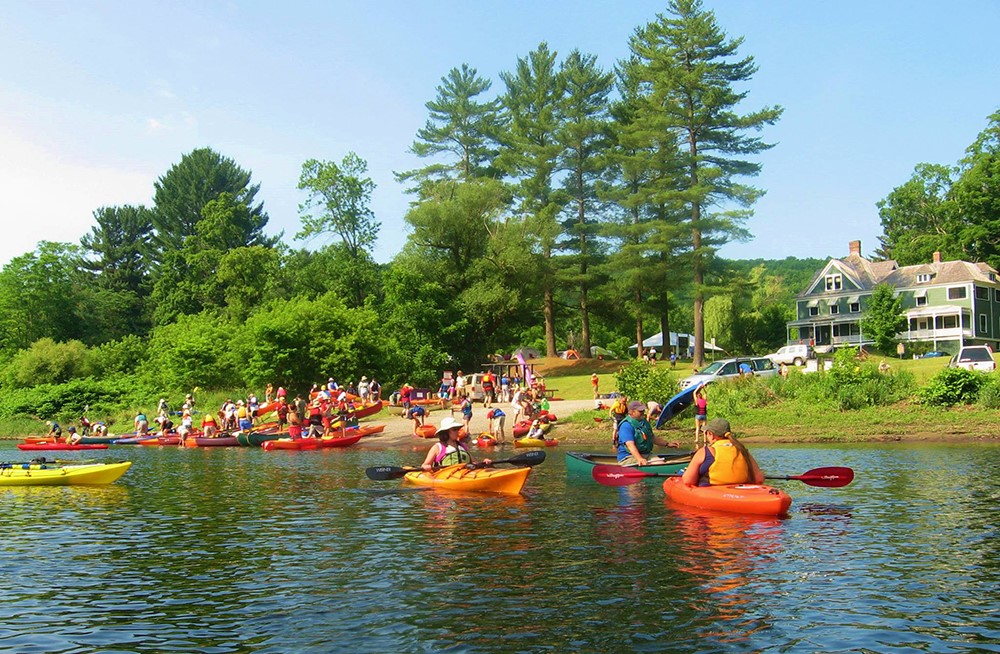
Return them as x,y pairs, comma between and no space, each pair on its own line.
98,99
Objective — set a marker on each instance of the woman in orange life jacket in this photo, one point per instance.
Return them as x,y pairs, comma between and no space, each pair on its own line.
724,460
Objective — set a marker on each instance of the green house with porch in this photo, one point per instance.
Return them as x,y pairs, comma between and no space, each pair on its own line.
947,304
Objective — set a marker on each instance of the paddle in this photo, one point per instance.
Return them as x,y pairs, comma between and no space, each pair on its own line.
832,477
383,473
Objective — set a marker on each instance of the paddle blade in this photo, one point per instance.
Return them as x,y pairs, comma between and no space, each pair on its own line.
532,458
384,473
618,475
832,477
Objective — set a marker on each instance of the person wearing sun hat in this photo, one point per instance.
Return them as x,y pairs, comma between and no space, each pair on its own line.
635,438
723,460
449,450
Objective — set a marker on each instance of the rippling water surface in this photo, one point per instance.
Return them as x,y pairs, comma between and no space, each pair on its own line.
240,550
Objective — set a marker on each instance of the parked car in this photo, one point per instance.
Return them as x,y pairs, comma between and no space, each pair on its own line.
974,357
934,354
794,354
730,369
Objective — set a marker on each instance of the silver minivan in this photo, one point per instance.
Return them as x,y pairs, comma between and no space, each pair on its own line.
730,369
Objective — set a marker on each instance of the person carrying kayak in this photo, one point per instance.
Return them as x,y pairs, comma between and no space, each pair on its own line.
635,437
724,460
416,414
449,450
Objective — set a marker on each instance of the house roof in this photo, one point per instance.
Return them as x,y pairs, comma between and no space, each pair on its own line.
946,272
867,274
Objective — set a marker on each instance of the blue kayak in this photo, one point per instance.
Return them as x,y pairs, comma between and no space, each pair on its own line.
676,404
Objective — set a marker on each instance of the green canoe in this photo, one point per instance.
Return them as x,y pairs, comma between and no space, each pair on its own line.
582,463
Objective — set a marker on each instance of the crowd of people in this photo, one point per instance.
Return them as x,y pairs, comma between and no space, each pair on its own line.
525,400
327,408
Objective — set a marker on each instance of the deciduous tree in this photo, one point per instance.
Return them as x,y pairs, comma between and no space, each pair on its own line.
883,317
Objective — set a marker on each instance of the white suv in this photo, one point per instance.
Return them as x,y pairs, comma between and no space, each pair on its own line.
796,354
974,357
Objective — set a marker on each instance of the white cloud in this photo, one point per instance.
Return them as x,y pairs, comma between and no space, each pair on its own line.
45,195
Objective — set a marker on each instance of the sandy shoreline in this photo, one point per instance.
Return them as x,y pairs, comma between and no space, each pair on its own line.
399,431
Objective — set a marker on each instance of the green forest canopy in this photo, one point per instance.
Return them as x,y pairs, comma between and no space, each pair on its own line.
556,213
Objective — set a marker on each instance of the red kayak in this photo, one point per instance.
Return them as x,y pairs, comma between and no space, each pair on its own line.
340,441
310,443
59,446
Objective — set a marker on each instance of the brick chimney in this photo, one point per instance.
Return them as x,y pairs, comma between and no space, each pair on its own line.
936,258
855,247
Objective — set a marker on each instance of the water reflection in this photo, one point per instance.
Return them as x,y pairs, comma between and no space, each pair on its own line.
241,550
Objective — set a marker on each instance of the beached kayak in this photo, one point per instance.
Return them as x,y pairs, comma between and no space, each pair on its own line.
58,446
33,474
257,438
485,440
313,443
461,478
425,431
734,498
535,442
215,441
160,440
583,462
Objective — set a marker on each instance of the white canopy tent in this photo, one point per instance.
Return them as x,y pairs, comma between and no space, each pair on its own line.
656,340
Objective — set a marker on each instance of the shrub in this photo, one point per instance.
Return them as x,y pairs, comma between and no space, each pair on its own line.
68,401
640,381
952,386
989,392
47,362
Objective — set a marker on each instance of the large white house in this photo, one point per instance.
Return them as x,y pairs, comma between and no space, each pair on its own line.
947,303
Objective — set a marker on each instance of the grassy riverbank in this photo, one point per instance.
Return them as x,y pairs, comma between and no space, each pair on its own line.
802,419
792,420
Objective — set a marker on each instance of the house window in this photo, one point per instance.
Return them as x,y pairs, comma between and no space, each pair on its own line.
834,282
923,278
984,323
949,322
834,309
855,307
992,276
921,300
982,293
956,293
813,311
996,295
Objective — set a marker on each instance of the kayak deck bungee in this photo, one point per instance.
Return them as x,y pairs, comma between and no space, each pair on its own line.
756,499
460,477
25,474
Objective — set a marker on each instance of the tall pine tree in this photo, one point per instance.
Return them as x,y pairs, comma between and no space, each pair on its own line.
688,72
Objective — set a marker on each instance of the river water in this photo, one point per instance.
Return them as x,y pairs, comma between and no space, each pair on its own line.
240,550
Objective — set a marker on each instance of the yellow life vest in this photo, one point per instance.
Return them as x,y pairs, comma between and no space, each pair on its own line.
729,466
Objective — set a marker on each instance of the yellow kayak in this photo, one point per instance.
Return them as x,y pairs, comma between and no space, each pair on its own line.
535,442
34,474
459,477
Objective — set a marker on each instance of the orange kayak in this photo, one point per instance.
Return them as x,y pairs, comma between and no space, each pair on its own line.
755,499
461,478
426,431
